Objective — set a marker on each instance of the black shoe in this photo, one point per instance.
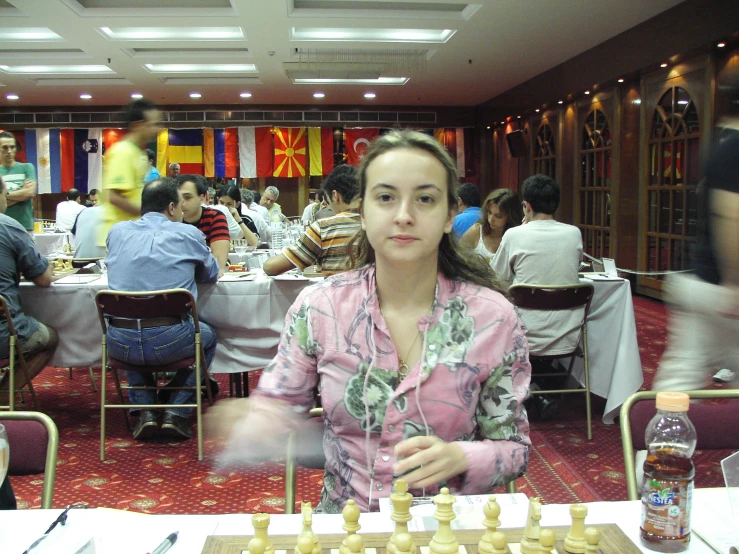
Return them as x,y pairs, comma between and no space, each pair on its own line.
546,406
175,426
147,425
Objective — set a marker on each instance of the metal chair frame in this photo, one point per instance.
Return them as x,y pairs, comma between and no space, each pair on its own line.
172,302
15,354
627,437
52,449
291,468
561,297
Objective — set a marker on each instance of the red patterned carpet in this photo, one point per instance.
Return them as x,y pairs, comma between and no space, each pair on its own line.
165,477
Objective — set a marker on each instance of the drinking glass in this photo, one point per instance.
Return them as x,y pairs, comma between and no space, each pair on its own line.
4,453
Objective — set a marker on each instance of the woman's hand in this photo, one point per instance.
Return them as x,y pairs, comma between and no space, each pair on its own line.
235,214
429,460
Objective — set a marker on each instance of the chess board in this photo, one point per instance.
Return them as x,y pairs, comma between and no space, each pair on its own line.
612,541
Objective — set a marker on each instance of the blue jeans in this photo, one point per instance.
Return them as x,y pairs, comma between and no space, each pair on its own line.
160,346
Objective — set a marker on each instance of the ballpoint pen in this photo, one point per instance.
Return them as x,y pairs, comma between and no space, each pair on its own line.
166,544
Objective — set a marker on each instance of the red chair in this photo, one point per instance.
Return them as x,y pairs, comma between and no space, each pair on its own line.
13,361
148,305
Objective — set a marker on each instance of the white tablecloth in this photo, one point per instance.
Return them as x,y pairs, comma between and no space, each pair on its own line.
615,365
48,243
129,532
248,317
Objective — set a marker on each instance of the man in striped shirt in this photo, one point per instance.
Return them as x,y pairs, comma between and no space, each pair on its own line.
211,222
325,242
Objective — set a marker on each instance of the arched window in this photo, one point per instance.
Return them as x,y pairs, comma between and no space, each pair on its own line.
545,159
673,179
594,186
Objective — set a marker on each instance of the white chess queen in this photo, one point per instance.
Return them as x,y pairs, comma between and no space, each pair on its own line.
420,359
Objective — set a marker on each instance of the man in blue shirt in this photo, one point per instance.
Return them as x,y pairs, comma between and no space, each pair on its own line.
468,201
158,252
18,256
153,173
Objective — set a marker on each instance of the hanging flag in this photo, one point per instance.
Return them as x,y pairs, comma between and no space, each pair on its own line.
321,148
111,136
209,161
255,152
289,152
186,149
448,139
231,152
81,159
162,151
43,160
357,142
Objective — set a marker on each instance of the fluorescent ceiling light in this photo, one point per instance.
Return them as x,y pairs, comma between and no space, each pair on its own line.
86,96
318,95
136,96
245,95
29,34
12,96
378,81
682,101
195,95
201,68
370,95
173,33
55,69
438,36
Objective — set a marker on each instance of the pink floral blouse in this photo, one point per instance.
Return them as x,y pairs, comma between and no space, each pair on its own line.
468,387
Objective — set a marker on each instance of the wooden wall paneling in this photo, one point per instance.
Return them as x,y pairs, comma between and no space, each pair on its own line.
487,163
626,197
508,165
568,144
665,241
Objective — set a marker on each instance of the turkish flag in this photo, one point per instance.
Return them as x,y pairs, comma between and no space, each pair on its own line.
357,142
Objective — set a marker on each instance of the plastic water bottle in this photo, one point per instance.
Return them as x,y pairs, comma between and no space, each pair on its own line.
667,489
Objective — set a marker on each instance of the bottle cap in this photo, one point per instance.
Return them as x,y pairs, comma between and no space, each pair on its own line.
673,401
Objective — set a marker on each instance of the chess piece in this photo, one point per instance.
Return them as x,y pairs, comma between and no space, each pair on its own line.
307,511
443,541
304,546
404,542
546,541
59,265
575,539
68,265
355,543
499,543
256,546
401,500
530,540
491,523
260,522
592,540
351,524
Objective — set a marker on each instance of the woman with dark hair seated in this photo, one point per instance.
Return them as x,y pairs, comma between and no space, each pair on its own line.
230,197
500,211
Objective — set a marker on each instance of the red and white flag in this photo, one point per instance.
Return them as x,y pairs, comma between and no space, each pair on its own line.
357,142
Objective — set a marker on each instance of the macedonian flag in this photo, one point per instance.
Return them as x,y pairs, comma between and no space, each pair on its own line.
289,152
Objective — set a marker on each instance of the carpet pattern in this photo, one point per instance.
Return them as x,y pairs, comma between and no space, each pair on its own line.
165,477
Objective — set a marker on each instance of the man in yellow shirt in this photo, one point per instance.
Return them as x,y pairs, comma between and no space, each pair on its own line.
126,165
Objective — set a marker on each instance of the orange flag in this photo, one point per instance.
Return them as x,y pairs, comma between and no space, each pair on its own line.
289,152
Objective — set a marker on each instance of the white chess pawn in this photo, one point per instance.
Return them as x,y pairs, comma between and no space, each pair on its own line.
499,543
546,541
304,546
592,540
256,546
355,543
404,542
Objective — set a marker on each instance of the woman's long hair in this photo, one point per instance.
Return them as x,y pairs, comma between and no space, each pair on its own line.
508,202
454,262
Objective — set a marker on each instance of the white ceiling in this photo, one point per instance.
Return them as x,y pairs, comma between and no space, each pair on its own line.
497,45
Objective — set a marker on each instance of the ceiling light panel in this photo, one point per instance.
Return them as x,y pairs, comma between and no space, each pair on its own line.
378,81
201,68
168,54
173,33
321,34
39,56
29,34
55,69
385,10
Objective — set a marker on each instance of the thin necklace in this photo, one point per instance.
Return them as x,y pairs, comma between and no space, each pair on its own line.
403,368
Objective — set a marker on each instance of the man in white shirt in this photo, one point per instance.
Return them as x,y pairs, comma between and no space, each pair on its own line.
247,208
269,201
542,252
257,206
308,211
67,211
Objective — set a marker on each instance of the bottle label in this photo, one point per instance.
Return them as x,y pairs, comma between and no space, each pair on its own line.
666,507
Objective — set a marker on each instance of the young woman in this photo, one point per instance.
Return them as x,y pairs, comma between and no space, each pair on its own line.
500,211
230,197
421,361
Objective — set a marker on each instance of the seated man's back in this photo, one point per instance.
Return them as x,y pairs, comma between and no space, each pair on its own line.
86,231
543,252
